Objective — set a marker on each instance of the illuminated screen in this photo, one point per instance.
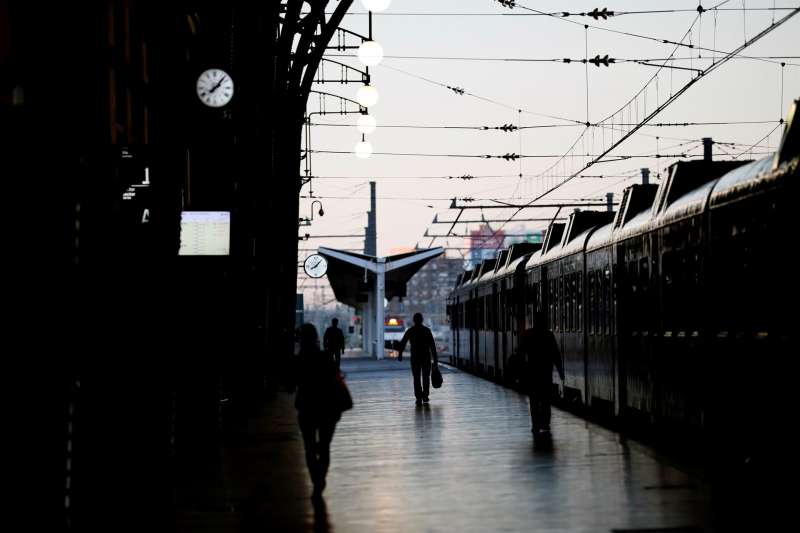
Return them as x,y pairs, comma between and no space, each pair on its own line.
205,233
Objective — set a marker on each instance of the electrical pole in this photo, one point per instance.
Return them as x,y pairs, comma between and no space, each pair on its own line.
371,240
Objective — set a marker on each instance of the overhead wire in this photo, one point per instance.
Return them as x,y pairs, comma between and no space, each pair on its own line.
569,61
508,157
661,107
462,91
548,14
748,150
510,128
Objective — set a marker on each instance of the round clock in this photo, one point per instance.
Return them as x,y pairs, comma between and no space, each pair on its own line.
315,266
215,87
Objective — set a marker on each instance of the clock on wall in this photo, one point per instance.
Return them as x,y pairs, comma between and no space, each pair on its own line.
315,266
215,87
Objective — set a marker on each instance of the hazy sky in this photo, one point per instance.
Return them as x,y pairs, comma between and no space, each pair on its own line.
740,90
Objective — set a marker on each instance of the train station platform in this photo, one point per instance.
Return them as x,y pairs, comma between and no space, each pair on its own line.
466,462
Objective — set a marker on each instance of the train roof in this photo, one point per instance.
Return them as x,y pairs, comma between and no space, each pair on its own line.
517,254
512,266
600,237
577,243
502,260
578,229
487,267
635,212
465,280
692,203
551,244
686,176
745,180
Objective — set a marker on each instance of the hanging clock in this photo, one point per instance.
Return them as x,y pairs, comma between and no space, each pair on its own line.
315,266
215,87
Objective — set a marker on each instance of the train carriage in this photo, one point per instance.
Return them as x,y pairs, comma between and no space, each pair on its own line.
466,323
484,330
510,280
661,312
599,303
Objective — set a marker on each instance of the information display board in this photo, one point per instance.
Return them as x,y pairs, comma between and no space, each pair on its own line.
205,233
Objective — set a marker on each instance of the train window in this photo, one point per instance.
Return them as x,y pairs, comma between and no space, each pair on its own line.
633,317
562,300
579,293
607,301
592,314
574,291
645,293
501,310
540,297
568,301
614,289
497,311
601,303
670,289
596,303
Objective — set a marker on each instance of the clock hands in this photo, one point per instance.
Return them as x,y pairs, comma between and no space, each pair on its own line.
215,87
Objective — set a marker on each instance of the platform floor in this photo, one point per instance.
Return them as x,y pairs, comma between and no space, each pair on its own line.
467,462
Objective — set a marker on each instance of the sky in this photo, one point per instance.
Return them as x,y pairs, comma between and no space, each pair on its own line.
507,90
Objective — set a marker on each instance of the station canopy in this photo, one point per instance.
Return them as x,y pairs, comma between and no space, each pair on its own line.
353,276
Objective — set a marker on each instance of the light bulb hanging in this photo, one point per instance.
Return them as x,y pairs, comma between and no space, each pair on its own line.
376,5
363,149
367,96
370,53
366,124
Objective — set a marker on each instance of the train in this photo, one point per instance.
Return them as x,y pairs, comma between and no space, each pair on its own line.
676,310
394,328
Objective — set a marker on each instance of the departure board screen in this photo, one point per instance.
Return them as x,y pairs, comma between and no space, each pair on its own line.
205,233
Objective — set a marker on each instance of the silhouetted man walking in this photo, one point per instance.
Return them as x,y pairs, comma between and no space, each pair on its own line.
423,348
333,341
540,350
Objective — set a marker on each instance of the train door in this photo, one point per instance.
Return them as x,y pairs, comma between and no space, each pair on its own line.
494,324
504,319
546,299
455,326
620,306
473,330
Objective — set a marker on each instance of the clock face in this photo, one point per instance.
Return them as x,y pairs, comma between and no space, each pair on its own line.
215,87
315,266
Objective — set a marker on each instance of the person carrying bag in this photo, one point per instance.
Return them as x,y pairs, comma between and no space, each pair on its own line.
423,348
322,396
341,394
436,377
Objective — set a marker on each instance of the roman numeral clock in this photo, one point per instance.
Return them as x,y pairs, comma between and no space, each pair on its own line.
215,87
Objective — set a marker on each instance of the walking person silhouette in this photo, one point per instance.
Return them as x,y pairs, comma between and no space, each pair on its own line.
333,341
423,348
317,410
538,346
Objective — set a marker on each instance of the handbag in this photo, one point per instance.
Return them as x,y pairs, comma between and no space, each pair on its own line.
436,377
341,394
